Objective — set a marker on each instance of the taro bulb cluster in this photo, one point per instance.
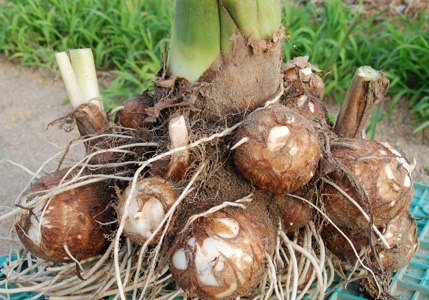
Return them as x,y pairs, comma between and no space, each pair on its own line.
400,234
383,174
233,184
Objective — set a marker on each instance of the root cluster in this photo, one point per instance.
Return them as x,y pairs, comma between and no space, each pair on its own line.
301,265
127,269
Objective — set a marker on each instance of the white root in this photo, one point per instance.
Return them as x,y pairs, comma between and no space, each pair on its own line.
167,219
72,257
293,264
10,215
21,167
308,285
237,203
115,111
240,142
278,259
276,98
321,245
273,278
304,264
72,145
343,234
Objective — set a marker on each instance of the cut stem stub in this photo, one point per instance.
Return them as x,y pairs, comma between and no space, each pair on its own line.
368,87
80,78
179,161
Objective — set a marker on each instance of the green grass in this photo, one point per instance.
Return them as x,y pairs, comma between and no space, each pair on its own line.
128,38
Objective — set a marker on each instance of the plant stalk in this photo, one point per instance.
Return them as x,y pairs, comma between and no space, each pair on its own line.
80,78
195,42
368,87
202,31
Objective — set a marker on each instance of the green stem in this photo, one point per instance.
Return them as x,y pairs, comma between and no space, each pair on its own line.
228,27
203,28
258,19
195,42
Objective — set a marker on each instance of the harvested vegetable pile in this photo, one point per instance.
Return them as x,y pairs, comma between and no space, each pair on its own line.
225,180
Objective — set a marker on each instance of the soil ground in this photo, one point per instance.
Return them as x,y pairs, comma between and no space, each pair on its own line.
29,100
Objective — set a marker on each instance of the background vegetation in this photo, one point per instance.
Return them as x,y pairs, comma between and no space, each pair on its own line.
128,38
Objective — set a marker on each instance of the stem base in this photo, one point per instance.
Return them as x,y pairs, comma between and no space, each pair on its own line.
246,80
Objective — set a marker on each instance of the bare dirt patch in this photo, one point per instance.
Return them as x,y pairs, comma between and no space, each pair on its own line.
28,102
394,8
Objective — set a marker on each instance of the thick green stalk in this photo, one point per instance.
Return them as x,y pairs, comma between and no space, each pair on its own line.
203,28
258,19
228,27
195,42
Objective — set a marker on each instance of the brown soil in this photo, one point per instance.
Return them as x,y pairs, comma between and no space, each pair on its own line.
30,100
410,8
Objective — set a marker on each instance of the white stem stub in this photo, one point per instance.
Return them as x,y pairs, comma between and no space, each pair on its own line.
79,75
178,132
179,161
